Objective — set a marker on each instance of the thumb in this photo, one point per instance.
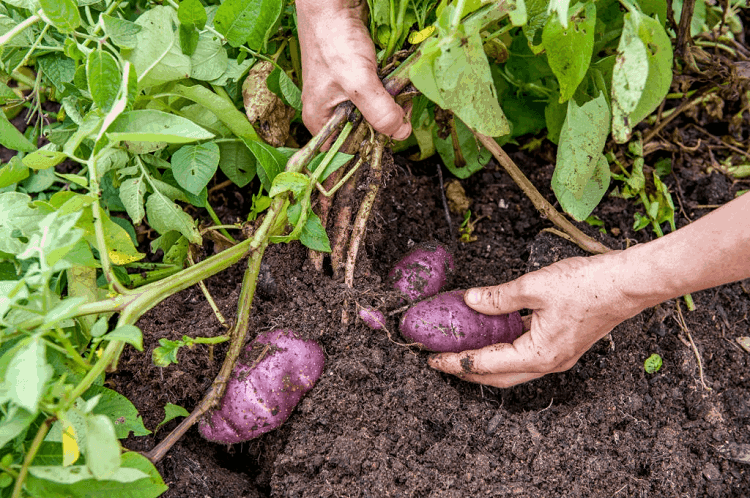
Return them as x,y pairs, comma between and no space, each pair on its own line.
379,109
499,299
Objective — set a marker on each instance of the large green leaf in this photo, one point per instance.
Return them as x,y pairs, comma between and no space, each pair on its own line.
13,172
455,74
642,73
27,375
157,56
192,13
193,166
579,174
248,21
569,49
63,14
270,162
148,125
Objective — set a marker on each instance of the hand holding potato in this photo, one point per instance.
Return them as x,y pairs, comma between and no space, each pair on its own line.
575,302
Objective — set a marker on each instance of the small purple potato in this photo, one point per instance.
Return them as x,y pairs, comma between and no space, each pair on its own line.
268,380
423,272
375,319
446,324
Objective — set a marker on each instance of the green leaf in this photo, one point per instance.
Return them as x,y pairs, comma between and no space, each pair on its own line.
237,162
193,166
537,19
166,353
171,412
13,423
339,160
63,14
164,215
122,33
314,236
192,13
591,193
129,334
147,484
43,159
456,75
209,58
119,409
102,448
27,375
474,154
582,140
652,364
569,49
148,125
13,172
289,181
104,78
18,218
157,56
282,85
270,160
248,21
561,8
77,473
642,73
188,39
132,193
13,139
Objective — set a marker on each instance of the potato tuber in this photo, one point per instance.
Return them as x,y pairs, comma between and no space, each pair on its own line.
423,272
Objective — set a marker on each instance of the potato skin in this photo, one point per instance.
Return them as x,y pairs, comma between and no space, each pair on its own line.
423,272
375,319
445,324
260,398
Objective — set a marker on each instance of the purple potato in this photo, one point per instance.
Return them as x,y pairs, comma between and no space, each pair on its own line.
446,324
373,318
423,272
264,388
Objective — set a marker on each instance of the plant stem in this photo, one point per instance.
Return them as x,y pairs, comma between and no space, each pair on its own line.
216,220
19,28
209,298
30,454
548,210
359,228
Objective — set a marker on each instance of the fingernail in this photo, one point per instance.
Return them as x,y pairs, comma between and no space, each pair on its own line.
473,296
403,132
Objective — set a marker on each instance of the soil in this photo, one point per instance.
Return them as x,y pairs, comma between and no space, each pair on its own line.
380,422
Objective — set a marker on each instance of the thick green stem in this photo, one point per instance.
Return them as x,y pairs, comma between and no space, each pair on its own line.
19,28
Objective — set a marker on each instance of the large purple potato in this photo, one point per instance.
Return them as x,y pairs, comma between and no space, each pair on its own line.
445,324
261,394
423,272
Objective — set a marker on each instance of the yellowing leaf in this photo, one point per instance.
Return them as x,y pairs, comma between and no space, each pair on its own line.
416,37
71,452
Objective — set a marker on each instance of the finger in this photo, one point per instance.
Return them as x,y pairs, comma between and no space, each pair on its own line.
315,113
504,298
523,356
378,107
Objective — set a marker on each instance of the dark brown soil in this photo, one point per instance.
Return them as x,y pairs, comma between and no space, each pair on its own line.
380,422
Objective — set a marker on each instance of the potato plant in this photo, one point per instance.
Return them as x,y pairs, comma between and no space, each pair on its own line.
149,99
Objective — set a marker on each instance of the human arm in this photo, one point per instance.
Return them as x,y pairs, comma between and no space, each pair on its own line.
577,301
339,64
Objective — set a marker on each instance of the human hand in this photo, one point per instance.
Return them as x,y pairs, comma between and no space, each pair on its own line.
575,303
339,64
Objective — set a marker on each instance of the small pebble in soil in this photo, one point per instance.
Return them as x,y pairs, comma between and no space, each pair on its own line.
710,472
